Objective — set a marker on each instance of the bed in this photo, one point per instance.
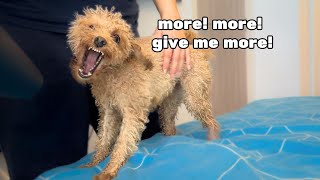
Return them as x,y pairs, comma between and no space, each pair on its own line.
267,139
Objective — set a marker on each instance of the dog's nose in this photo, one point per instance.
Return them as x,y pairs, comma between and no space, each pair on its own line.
100,41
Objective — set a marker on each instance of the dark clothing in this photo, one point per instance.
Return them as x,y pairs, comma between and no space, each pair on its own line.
55,16
51,129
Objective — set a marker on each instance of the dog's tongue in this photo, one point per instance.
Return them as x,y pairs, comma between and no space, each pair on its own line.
90,61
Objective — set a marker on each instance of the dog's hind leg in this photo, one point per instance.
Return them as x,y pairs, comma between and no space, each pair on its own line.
131,130
168,110
109,126
196,85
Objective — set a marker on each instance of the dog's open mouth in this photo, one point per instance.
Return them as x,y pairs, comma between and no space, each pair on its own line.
91,61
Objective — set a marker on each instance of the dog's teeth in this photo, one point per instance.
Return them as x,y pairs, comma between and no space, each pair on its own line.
97,62
81,70
89,74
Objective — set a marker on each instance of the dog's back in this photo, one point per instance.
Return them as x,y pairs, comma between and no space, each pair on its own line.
196,54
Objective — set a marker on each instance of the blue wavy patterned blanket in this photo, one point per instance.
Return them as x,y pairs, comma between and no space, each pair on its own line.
267,139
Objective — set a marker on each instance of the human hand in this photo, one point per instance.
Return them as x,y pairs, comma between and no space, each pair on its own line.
174,59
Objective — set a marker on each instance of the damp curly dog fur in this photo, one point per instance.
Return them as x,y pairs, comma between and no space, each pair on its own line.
127,83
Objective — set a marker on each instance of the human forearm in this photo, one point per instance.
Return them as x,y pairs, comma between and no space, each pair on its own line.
167,9
173,59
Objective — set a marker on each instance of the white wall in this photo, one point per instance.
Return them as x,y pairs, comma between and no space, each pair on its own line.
275,73
149,15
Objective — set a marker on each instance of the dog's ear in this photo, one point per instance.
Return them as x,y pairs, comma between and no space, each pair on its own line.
137,54
136,51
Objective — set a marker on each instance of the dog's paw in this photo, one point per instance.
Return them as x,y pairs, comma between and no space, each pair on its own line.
212,134
170,131
89,165
103,176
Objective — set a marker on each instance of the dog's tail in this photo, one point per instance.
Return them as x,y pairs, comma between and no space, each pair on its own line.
190,35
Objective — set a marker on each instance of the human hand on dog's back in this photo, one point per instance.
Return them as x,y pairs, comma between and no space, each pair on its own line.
173,59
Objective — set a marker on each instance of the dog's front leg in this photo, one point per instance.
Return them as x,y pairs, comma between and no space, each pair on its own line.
109,126
132,127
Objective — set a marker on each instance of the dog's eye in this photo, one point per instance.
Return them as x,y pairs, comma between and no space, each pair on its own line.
116,38
91,26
